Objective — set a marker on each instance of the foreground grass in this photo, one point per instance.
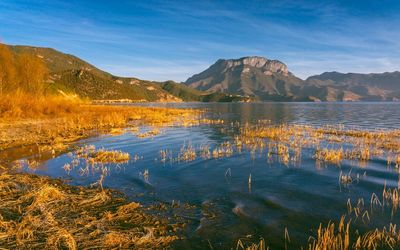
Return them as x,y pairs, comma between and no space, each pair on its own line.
39,212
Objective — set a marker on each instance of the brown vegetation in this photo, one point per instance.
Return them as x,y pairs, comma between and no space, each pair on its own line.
339,237
38,212
55,120
24,72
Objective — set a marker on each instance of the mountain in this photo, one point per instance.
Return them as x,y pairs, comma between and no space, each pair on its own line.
360,87
243,79
249,76
73,75
270,80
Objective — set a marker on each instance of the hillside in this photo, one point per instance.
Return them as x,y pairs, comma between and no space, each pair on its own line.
270,80
71,74
369,87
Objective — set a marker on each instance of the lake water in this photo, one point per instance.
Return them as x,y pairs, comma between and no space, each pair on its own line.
295,196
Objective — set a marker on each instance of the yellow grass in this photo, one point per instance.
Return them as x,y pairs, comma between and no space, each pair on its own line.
261,245
55,120
329,155
332,237
38,212
112,156
22,105
339,238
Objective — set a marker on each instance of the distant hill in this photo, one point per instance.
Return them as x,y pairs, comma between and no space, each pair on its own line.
71,74
270,80
359,87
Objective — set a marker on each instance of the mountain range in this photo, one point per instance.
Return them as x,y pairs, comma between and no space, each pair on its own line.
244,79
270,80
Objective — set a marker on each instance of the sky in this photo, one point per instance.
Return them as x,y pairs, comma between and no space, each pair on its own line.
172,40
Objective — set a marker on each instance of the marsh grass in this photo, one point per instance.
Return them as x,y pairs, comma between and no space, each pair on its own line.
242,244
339,237
187,153
38,212
110,156
23,105
331,144
53,121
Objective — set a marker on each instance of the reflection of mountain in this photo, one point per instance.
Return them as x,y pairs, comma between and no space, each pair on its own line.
253,112
271,80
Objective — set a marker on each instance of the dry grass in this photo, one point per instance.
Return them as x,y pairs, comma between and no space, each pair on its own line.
330,237
331,144
187,153
329,155
149,133
22,105
54,121
112,156
339,238
243,245
37,212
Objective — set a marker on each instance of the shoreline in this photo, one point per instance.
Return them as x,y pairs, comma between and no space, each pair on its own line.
55,133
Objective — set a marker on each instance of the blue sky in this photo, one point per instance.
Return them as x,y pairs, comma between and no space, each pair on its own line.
161,40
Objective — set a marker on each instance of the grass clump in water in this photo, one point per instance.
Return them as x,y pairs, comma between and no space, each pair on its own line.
113,156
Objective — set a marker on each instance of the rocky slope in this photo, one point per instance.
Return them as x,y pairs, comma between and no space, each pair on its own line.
270,80
250,76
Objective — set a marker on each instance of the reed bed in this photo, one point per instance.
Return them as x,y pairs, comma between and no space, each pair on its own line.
286,144
340,238
50,123
331,144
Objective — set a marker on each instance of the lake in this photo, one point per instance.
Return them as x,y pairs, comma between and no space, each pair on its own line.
248,193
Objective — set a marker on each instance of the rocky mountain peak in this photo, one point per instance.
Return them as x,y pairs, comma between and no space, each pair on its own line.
266,65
